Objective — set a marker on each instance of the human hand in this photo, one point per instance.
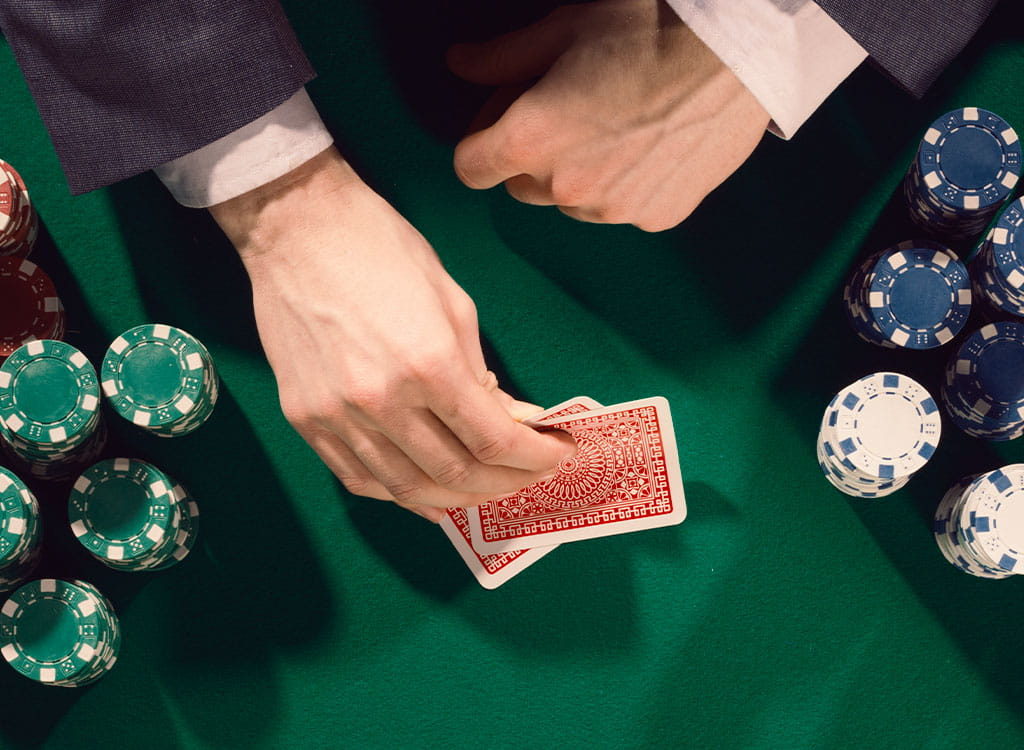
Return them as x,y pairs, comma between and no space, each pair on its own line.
376,349
633,119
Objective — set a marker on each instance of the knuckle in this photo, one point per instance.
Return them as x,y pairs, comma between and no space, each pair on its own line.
363,397
296,414
492,448
406,492
462,163
527,133
430,366
612,214
464,308
357,484
569,188
454,473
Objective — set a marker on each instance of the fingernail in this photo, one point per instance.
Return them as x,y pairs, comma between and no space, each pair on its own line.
521,410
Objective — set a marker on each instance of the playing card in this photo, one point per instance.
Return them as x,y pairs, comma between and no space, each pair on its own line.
625,477
572,406
490,570
493,570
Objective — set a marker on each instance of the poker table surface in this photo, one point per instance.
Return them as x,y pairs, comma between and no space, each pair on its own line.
780,614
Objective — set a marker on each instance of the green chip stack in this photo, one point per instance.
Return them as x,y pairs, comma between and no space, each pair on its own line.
161,379
50,414
132,516
20,531
59,632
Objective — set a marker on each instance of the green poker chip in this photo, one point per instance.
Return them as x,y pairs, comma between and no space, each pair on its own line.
20,531
160,378
49,394
130,515
50,418
62,633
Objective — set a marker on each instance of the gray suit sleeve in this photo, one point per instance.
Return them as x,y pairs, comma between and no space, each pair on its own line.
911,40
126,85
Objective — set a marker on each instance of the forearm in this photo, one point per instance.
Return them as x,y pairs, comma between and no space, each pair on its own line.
123,86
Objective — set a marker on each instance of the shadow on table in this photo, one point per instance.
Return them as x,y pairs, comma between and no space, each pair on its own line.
218,618
966,606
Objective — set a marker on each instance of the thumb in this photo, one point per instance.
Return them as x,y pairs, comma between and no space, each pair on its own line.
514,57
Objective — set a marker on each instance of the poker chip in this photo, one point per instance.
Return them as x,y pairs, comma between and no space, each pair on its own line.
983,389
62,633
979,523
997,267
20,531
877,433
914,295
50,415
29,306
161,379
967,163
19,223
132,516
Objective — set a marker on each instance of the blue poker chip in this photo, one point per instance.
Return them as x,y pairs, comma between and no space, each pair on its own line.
967,164
919,295
914,295
969,159
998,265
984,385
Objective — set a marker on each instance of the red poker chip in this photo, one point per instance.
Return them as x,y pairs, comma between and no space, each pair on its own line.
29,306
18,235
9,203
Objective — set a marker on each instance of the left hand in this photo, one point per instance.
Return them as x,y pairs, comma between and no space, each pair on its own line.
633,119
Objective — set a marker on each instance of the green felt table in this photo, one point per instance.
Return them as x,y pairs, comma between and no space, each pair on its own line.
780,614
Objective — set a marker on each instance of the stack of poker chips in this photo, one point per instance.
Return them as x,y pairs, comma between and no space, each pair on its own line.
132,516
876,433
998,264
979,524
50,414
984,385
62,633
29,306
967,164
915,295
20,531
161,379
19,224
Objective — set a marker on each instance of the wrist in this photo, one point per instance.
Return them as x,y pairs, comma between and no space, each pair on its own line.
258,221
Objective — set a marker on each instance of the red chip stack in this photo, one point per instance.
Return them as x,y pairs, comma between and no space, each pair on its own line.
19,224
29,306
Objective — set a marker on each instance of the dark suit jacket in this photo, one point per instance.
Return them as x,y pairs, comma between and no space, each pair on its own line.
125,85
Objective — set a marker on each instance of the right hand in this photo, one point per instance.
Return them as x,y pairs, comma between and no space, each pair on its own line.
376,349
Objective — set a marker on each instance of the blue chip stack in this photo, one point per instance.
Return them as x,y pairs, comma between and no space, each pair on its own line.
998,265
984,385
876,433
979,524
915,295
967,164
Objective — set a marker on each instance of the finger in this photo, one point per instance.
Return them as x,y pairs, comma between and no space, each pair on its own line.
514,57
495,106
402,478
490,434
591,215
442,457
512,146
349,470
528,189
518,410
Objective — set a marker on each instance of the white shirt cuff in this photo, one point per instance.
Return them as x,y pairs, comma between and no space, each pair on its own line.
790,58
253,155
